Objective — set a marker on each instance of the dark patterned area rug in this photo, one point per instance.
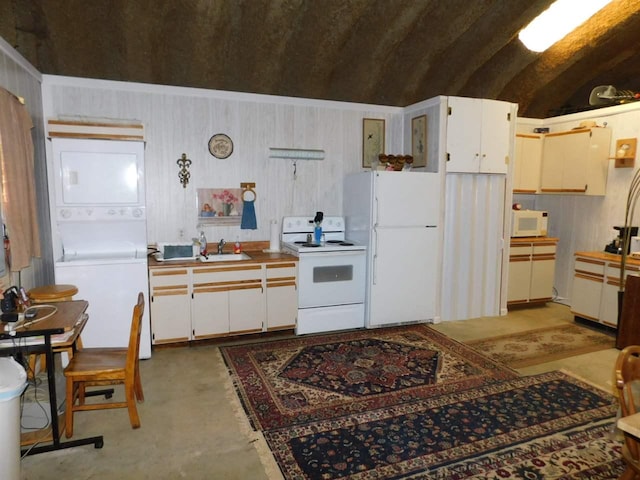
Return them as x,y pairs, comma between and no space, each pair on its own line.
543,345
315,378
549,426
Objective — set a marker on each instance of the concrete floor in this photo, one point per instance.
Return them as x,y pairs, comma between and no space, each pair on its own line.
193,426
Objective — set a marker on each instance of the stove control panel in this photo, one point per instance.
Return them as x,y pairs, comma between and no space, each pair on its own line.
305,224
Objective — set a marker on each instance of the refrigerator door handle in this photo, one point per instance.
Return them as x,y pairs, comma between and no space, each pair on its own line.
377,210
375,256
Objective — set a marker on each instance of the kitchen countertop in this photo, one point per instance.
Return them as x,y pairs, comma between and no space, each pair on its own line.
254,249
608,257
516,240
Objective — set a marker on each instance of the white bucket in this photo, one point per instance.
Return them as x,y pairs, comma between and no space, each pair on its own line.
13,380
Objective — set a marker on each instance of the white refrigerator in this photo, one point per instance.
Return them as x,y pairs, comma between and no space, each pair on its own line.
397,215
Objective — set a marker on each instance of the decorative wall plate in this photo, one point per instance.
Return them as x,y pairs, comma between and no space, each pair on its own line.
220,145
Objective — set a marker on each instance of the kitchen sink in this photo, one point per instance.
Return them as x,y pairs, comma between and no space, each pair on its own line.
225,257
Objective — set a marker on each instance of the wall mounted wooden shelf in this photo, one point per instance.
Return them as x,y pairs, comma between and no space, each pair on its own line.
625,153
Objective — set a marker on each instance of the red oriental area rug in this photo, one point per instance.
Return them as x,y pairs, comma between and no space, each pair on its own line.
547,426
312,378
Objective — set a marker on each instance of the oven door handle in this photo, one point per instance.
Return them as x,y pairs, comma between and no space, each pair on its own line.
333,253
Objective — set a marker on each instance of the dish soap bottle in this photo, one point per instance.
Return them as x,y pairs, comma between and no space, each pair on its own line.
237,248
203,244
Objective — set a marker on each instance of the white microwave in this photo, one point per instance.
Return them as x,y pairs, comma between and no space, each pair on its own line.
529,223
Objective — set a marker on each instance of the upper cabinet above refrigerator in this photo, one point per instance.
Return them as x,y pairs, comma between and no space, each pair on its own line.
480,135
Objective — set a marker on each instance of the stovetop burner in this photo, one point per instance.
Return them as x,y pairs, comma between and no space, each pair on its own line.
342,243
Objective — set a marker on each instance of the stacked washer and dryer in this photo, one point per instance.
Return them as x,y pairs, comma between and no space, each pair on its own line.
99,236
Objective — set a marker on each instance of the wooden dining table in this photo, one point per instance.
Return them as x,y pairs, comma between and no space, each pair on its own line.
56,327
630,424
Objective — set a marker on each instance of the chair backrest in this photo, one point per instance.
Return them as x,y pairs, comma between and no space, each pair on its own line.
627,372
133,351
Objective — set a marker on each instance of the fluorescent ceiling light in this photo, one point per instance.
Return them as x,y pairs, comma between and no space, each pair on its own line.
557,21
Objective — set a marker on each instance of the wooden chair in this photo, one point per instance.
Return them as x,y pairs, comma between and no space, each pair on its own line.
106,366
627,381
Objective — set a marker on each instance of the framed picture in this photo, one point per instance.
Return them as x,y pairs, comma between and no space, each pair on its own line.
372,140
222,206
419,141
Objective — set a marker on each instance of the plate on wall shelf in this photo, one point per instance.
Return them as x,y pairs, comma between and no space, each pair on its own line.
220,146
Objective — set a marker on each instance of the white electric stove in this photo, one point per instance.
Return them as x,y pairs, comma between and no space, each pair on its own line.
331,275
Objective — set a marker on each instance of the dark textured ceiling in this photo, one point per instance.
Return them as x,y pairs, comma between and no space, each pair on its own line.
387,52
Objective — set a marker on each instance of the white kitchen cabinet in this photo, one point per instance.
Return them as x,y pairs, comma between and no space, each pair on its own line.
543,269
527,163
596,285
479,137
208,301
609,301
227,299
210,305
246,309
610,288
588,281
170,305
531,271
519,273
576,161
282,295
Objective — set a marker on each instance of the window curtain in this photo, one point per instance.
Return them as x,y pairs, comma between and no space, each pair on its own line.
18,183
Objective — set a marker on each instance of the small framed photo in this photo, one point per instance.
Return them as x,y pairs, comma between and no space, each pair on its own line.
419,141
372,140
219,206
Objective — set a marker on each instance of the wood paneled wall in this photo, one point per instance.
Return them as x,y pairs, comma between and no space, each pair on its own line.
181,120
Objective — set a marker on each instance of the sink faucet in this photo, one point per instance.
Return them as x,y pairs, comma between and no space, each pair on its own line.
221,245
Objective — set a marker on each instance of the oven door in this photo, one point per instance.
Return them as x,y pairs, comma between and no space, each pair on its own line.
331,278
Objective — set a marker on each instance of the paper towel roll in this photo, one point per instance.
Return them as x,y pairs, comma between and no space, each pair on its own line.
274,244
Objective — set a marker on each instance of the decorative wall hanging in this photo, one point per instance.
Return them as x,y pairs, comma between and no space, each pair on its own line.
372,140
419,141
220,146
219,206
184,163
